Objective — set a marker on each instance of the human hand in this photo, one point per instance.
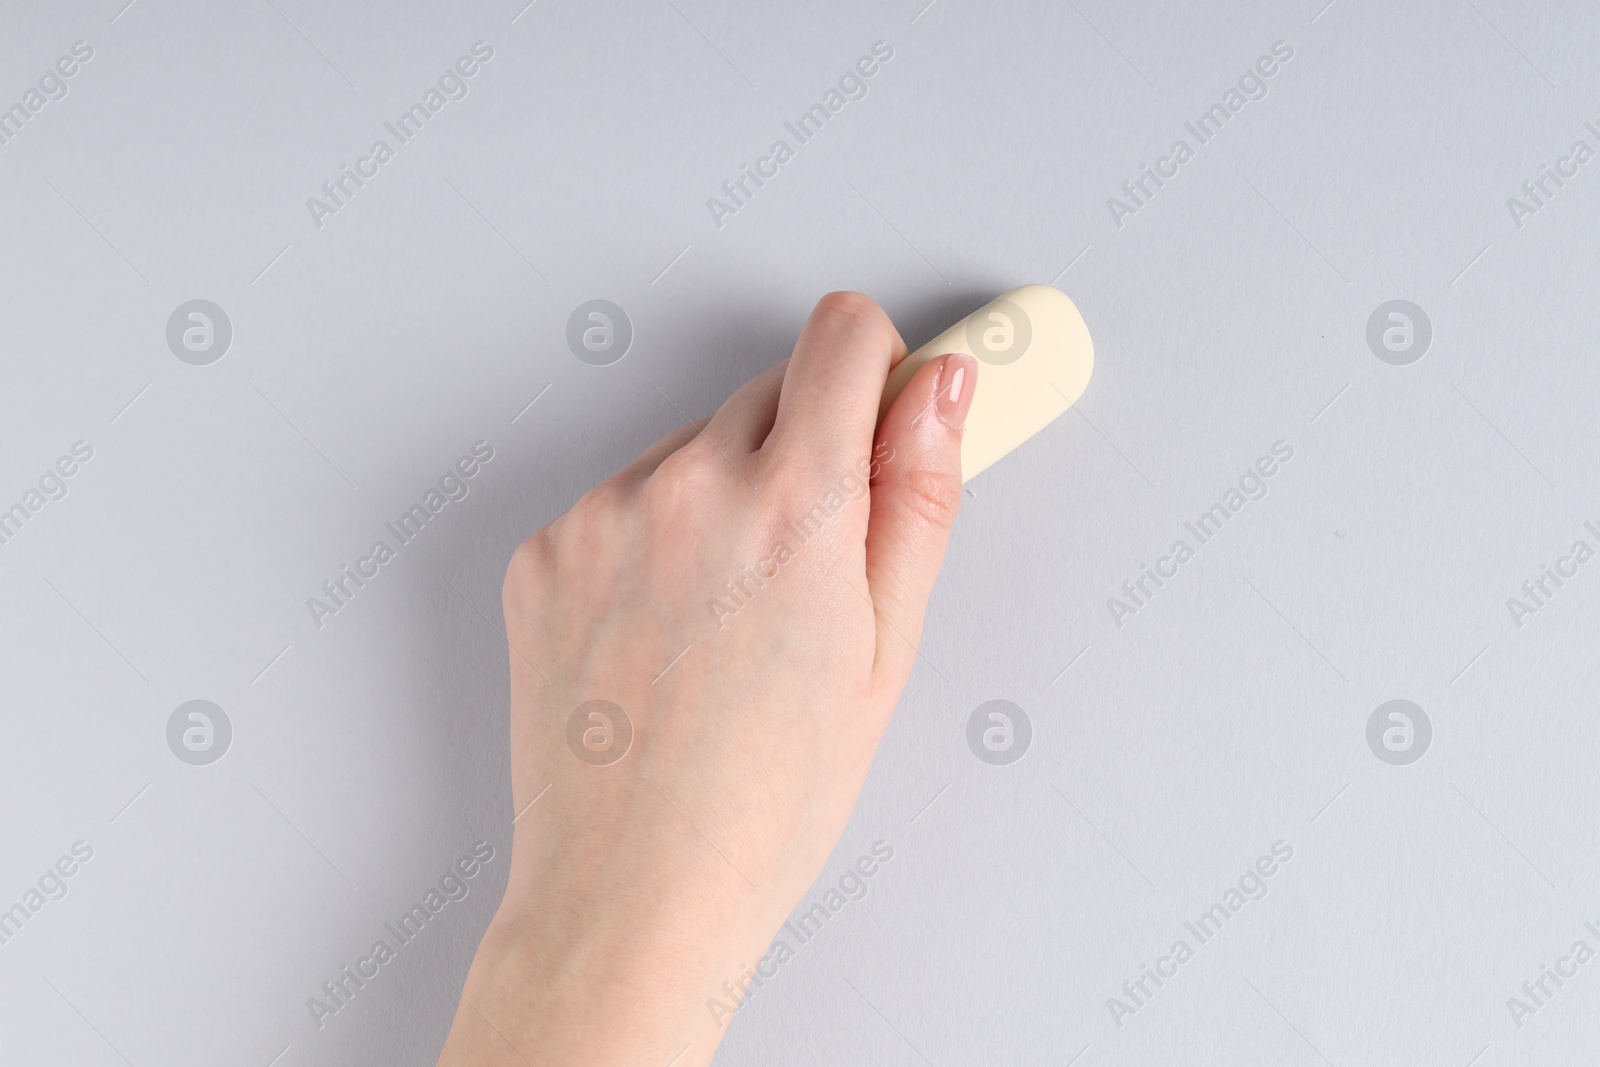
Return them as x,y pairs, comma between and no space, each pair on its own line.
753,608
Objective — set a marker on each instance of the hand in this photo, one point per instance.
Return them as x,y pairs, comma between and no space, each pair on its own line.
753,608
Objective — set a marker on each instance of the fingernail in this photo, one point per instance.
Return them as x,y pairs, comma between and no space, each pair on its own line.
958,379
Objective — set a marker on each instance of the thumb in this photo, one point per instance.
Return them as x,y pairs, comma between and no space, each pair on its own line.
916,492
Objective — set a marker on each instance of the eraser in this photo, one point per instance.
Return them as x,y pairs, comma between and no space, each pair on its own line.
1034,360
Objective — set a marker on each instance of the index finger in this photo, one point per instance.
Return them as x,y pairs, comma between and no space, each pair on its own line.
831,391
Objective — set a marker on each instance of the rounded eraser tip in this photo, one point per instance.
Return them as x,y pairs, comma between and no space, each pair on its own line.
1034,357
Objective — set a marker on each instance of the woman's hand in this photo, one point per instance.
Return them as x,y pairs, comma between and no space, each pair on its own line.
745,600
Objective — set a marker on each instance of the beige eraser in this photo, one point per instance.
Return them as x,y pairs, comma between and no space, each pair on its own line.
1034,360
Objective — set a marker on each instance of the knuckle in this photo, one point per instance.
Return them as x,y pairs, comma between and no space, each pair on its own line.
798,478
602,501
590,530
591,522
530,565
934,496
788,474
692,472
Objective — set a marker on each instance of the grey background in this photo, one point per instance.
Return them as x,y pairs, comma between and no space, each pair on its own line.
1167,754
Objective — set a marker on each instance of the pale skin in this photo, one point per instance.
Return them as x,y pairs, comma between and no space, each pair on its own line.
637,888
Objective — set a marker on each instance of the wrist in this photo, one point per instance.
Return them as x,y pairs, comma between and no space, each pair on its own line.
554,981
